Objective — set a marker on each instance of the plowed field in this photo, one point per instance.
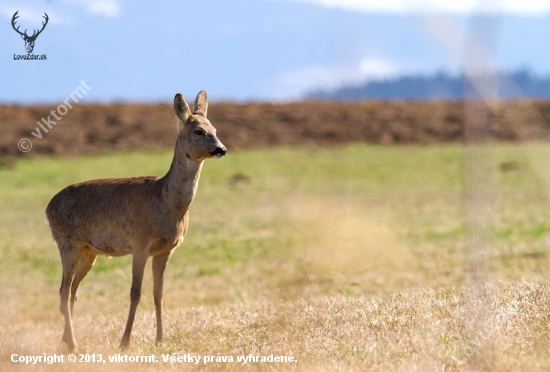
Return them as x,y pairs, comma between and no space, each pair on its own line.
93,128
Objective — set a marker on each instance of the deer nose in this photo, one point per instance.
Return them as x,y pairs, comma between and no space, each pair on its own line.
219,152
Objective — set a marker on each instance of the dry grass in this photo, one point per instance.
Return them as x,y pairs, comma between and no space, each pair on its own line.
417,330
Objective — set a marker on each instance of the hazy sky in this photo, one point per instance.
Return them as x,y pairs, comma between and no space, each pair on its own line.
526,7
258,49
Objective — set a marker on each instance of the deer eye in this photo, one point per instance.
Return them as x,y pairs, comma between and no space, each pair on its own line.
199,132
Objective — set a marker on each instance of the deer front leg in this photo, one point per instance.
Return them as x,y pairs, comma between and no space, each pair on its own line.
159,266
138,267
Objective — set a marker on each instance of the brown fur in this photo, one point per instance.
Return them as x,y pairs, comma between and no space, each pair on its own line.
141,216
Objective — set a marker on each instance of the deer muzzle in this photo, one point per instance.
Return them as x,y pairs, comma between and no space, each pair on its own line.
219,152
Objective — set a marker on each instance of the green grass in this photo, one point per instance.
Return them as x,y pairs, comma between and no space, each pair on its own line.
260,207
286,224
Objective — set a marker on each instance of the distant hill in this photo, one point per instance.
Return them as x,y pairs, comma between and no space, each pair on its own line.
439,86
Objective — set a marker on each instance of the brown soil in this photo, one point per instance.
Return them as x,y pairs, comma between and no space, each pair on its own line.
93,128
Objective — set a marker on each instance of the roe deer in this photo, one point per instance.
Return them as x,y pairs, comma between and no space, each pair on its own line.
141,216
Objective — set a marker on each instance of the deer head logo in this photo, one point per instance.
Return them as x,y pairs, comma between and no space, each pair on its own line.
29,40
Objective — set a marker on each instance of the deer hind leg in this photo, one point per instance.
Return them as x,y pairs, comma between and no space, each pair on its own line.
69,260
138,267
159,266
85,263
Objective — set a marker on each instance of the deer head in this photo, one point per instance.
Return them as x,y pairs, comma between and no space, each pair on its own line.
196,135
29,40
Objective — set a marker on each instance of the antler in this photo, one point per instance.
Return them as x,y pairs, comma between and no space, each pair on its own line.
35,34
15,16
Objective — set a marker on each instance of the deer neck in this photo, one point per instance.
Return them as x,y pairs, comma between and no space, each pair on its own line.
180,183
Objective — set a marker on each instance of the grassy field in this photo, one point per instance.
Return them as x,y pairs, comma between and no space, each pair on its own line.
347,258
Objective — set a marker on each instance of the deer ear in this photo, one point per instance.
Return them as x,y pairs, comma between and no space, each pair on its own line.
181,109
201,104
